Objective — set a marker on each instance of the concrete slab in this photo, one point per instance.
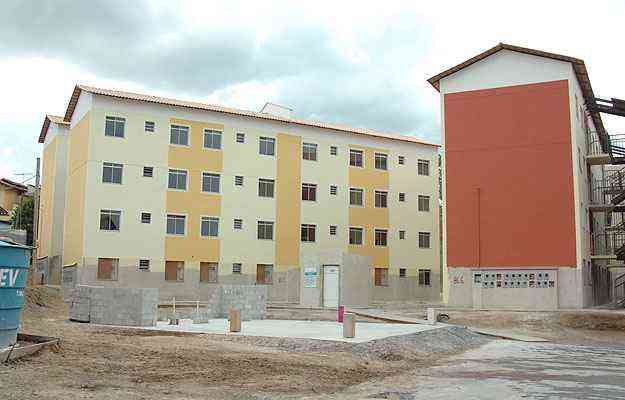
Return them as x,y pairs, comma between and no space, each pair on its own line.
318,330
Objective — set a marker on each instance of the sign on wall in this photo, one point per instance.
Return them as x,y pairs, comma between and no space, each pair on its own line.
310,277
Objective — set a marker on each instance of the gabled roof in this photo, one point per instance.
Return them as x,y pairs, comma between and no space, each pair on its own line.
14,185
46,123
226,110
578,66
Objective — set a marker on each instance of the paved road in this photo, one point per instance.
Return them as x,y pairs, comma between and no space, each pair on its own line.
511,370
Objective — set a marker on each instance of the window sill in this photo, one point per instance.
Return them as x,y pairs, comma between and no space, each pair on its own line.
182,146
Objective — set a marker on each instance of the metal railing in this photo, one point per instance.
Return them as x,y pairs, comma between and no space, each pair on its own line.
599,144
602,191
618,292
608,242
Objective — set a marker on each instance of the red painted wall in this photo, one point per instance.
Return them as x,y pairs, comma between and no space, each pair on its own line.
514,145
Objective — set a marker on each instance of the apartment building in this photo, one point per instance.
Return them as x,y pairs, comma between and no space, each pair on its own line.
523,148
142,191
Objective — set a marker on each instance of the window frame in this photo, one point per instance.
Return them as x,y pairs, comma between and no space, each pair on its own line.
265,224
267,181
113,166
401,197
145,127
186,174
381,231
308,155
149,217
362,235
422,163
234,224
307,190
357,190
145,267
429,236
265,268
424,277
334,150
267,139
305,233
115,119
236,178
151,169
179,277
239,135
402,234
171,126
334,190
111,213
333,229
380,277
401,160
174,216
383,197
209,219
403,273
208,265
380,156
212,132
362,158
210,174
240,268
423,198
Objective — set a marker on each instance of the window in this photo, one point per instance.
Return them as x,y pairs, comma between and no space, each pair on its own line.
146,218
177,179
402,272
381,199
423,167
333,230
144,265
265,187
424,240
402,235
210,182
355,236
148,172
402,196
107,269
267,146
208,272
308,232
236,268
238,223
110,220
356,197
179,135
176,224
112,173
209,226
333,190
381,277
212,139
309,192
309,151
424,203
174,271
424,277
355,158
240,137
264,274
149,126
238,180
380,237
334,150
265,230
381,161
401,160
114,126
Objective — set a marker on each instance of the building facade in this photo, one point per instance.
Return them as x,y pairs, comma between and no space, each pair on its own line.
518,127
163,193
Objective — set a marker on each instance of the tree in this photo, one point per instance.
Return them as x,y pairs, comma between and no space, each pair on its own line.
22,218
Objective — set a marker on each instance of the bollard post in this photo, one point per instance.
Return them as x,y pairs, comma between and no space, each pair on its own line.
340,314
235,320
349,326
431,312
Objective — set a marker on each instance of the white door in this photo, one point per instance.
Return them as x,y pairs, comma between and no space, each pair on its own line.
330,286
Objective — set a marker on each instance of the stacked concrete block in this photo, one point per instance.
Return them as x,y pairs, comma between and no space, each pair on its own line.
114,306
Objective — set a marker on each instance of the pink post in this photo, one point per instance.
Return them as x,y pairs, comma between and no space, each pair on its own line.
341,313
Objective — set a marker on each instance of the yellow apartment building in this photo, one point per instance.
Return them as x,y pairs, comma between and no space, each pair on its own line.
143,191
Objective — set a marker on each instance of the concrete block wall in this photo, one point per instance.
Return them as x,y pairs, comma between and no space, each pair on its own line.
113,306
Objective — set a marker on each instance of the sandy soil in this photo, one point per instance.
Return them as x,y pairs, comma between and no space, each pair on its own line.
106,363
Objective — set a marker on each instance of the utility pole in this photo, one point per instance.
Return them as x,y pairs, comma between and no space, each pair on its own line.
35,224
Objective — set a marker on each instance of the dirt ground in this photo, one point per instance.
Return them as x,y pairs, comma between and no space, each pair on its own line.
107,363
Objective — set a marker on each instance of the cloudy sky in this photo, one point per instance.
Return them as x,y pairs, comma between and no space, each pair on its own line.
345,62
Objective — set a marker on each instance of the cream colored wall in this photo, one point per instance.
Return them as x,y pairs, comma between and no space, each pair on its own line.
136,194
46,199
9,198
242,246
